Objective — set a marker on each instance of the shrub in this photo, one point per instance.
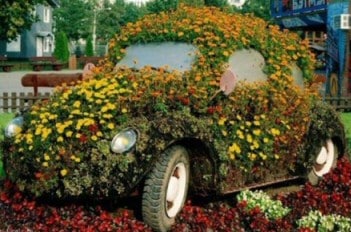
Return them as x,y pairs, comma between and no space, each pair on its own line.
89,49
61,51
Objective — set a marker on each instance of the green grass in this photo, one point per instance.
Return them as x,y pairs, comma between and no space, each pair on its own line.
4,119
346,119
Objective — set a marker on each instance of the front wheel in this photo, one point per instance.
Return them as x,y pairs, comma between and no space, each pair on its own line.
324,161
166,189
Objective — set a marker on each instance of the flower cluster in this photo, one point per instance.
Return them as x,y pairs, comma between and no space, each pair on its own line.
326,207
271,208
64,147
320,222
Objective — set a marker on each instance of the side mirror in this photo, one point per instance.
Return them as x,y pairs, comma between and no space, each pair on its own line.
227,82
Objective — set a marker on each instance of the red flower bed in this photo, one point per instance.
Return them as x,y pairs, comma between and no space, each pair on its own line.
331,196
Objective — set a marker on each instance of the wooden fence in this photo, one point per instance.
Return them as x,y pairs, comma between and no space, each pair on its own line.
15,102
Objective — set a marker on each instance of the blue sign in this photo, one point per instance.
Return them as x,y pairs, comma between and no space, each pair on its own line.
336,44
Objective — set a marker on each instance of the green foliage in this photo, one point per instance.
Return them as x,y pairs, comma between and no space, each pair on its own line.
346,119
271,208
61,51
260,8
195,3
4,119
89,49
157,6
217,3
324,223
75,18
111,17
15,17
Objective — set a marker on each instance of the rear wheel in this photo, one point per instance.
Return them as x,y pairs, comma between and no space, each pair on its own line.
324,161
166,189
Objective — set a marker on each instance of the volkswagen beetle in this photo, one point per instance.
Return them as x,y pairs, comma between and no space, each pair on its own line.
193,100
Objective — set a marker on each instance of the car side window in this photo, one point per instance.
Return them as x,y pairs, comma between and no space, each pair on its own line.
173,55
247,65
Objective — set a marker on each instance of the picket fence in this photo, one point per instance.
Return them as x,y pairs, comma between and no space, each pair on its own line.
15,102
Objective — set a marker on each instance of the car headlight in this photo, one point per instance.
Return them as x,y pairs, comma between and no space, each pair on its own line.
14,127
124,140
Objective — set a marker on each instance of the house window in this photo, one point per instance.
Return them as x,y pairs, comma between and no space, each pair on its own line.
14,46
47,44
46,16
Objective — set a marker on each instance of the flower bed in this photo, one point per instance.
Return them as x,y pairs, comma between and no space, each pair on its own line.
259,127
326,207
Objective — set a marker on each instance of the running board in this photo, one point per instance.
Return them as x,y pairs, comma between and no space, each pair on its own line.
282,180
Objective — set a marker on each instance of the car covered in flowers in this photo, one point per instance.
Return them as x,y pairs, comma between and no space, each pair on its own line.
193,100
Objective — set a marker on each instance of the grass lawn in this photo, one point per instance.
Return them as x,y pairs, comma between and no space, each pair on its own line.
4,119
346,119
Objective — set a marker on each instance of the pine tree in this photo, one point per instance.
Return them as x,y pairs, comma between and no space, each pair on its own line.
89,49
61,51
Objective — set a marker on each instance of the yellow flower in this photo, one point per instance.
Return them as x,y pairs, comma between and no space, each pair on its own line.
255,144
256,132
69,134
110,126
94,138
263,156
99,133
235,148
60,139
275,131
256,123
124,110
76,104
46,157
221,121
252,156
29,138
249,138
63,172
45,164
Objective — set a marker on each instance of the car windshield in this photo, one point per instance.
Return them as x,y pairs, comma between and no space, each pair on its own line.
169,55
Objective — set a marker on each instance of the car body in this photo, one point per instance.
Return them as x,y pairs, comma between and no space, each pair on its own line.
196,99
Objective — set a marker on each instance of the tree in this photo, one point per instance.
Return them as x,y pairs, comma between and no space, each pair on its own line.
75,18
195,3
260,8
89,49
61,51
15,17
217,3
157,6
112,17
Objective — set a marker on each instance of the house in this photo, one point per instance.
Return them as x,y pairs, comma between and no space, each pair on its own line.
38,41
